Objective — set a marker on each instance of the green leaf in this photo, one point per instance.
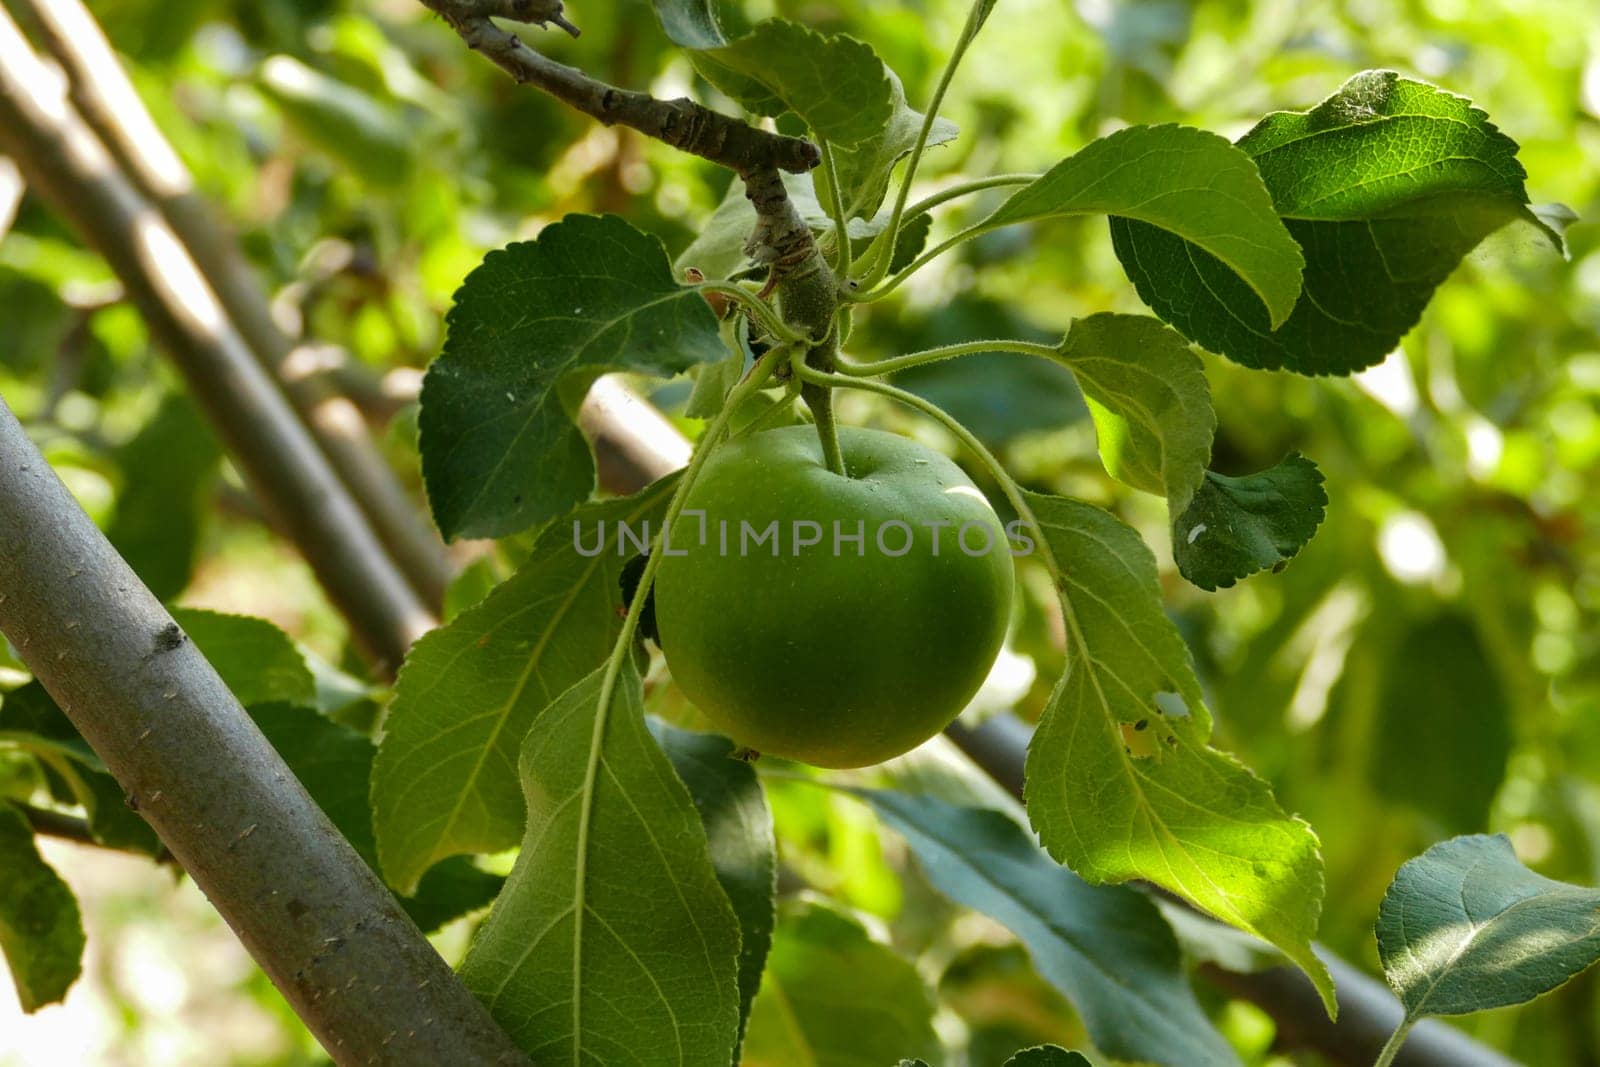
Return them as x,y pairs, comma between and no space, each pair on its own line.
834,997
1122,782
1191,186
1148,396
40,931
1386,185
738,826
169,466
864,169
1048,1056
445,781
1465,927
1235,527
835,84
258,661
612,941
910,241
1106,948
1445,737
531,329
334,763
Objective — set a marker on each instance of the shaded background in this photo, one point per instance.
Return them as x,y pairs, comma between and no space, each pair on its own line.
1427,667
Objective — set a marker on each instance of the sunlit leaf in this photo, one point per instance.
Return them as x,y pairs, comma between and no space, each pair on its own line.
1121,780
1465,927
1191,186
1148,396
531,330
612,941
1386,185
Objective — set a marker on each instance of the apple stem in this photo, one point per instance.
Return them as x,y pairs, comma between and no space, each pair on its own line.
819,398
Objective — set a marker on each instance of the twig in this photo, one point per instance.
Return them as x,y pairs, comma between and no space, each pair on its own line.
313,914
71,828
106,99
63,161
681,123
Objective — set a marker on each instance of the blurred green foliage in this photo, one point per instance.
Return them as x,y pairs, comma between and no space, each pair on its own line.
1427,666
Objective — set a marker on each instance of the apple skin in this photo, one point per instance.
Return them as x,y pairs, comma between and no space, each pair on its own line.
835,660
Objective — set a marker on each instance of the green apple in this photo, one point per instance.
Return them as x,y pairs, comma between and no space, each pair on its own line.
837,620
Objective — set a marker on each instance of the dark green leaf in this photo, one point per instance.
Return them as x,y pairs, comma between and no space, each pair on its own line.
733,810
834,997
1048,1056
168,467
445,780
531,330
1386,185
1235,527
1465,927
1106,948
255,658
1191,186
909,242
1122,782
40,931
835,84
1445,733
612,941
1148,396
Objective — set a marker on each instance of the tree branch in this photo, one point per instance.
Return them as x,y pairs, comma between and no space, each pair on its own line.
316,918
106,99
62,160
681,123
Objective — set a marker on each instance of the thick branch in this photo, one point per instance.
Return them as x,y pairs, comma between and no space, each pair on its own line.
107,100
681,123
62,159
315,917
